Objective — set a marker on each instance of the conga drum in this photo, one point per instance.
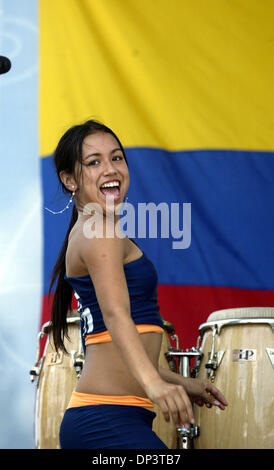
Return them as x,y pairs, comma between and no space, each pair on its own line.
58,374
237,347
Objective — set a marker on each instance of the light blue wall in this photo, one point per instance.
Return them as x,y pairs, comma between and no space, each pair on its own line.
21,224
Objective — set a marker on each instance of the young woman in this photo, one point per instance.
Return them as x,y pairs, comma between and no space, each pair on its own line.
116,287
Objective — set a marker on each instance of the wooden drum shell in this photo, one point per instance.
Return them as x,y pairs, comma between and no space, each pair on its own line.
246,382
57,380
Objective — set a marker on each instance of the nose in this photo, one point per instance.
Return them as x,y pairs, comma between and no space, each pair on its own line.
109,168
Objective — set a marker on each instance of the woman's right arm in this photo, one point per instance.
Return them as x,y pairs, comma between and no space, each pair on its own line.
104,260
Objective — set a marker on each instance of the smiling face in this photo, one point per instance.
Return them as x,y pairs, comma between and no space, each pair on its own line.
104,171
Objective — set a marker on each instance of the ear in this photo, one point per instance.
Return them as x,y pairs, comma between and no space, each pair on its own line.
68,180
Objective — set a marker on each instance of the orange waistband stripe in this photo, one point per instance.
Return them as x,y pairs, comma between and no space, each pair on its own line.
104,336
85,399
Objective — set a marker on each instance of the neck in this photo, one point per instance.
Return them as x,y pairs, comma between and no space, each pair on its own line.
103,223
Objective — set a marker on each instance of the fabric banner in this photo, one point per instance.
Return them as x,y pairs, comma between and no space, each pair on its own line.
186,88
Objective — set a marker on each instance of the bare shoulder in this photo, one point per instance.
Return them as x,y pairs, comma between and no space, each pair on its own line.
103,258
95,252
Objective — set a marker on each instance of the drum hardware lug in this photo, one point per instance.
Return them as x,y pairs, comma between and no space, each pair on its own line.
169,327
175,338
215,364
270,353
212,365
78,362
34,373
186,436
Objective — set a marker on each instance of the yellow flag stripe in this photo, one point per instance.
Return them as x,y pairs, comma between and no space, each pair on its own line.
175,75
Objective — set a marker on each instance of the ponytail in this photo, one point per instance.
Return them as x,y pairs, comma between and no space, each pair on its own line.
63,293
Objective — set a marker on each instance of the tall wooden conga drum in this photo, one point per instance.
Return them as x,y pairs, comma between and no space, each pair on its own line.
57,377
238,358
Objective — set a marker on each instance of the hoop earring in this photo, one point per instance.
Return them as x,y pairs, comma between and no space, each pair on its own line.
65,208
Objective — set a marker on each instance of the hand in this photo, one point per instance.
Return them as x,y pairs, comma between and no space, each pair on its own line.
173,402
202,393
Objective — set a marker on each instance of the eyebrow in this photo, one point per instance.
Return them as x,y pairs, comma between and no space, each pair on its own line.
97,154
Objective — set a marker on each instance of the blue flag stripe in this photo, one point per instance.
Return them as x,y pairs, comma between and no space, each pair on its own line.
232,208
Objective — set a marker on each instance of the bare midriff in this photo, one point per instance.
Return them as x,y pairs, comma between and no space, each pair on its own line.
105,373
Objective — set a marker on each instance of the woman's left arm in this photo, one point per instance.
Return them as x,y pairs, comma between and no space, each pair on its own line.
200,392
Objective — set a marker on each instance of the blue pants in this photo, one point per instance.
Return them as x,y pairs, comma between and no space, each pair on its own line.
109,427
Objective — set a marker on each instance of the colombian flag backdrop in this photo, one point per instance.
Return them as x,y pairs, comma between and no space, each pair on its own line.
188,88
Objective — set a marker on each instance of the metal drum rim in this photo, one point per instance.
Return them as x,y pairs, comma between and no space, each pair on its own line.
235,321
46,327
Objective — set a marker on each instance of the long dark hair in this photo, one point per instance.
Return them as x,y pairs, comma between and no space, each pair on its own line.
67,153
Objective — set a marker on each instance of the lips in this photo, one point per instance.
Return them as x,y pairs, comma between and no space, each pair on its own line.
111,189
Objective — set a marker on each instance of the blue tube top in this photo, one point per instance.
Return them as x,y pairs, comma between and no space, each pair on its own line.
142,280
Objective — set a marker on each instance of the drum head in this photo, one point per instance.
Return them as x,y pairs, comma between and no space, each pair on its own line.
245,312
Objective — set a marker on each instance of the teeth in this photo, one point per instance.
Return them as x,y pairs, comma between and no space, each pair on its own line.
110,185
